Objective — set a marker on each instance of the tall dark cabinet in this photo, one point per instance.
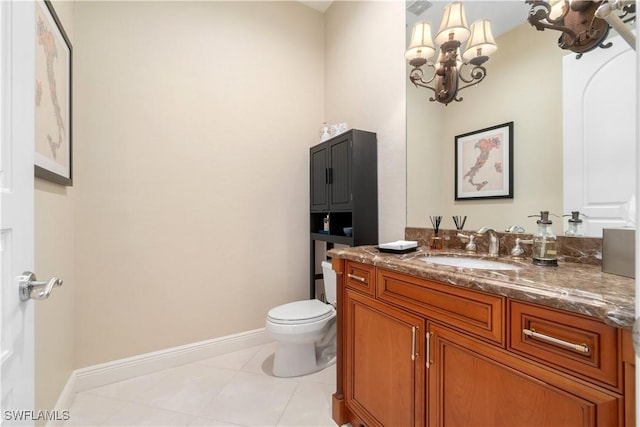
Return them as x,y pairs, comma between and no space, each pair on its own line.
344,185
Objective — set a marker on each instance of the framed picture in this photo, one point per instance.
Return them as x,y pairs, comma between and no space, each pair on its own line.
484,163
53,155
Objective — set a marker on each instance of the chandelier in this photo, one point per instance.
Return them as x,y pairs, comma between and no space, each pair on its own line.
447,79
584,23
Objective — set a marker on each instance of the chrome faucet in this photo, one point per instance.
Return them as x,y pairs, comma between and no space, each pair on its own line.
494,243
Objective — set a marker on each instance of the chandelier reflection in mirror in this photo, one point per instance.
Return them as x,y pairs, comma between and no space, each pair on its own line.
584,23
452,72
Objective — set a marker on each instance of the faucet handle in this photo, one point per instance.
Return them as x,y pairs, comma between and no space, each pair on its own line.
517,250
471,247
514,229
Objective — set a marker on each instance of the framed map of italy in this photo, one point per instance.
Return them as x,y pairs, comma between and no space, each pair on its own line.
53,97
484,163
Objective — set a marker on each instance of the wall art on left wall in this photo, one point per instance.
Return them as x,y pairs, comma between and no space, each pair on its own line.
53,69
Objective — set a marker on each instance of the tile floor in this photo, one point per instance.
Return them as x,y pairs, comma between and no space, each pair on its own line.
234,389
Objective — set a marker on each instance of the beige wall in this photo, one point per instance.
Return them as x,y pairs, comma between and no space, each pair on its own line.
364,78
54,256
192,128
193,124
523,85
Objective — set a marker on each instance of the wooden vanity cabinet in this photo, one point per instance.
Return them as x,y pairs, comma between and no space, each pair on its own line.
413,352
384,381
475,384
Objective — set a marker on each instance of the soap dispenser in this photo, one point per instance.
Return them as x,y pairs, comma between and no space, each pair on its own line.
544,242
575,224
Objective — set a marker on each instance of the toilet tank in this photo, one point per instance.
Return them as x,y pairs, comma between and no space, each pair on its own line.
329,277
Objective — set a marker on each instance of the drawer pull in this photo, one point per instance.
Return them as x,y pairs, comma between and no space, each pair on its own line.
578,347
358,278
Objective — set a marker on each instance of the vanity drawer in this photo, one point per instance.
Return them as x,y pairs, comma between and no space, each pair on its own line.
572,343
479,314
361,277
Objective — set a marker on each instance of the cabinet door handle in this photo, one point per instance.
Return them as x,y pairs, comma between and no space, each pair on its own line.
428,357
414,354
578,347
326,175
358,278
329,175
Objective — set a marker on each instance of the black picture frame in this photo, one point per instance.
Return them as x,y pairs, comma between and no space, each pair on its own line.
484,163
54,102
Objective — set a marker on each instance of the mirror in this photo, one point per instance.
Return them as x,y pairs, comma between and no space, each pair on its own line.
523,85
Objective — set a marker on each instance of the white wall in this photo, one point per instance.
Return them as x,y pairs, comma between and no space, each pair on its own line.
523,85
364,86
193,124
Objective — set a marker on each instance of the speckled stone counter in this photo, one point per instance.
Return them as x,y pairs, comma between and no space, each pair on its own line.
575,287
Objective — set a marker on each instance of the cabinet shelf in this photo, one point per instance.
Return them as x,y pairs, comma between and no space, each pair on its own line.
332,238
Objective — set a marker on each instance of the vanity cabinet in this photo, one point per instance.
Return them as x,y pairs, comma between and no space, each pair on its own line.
414,352
384,371
475,384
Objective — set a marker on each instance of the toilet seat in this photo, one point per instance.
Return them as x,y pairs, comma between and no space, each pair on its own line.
300,312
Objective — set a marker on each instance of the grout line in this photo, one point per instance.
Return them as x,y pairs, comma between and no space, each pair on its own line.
295,390
210,401
153,408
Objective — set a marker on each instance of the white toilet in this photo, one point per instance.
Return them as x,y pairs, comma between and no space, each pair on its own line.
305,332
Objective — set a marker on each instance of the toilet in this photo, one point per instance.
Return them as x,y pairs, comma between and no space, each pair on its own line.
305,332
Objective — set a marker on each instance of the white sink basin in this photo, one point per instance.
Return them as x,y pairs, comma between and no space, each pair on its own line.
466,262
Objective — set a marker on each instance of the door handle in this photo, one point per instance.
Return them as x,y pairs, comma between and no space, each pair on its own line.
31,289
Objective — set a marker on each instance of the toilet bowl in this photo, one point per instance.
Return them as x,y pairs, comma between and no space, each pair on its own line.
305,332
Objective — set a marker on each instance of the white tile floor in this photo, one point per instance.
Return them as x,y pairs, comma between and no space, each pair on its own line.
235,389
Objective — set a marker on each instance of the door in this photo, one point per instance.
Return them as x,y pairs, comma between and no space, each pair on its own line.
477,384
319,178
17,115
340,175
599,138
384,368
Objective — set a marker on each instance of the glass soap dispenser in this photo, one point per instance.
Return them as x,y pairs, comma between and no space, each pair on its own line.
544,242
575,225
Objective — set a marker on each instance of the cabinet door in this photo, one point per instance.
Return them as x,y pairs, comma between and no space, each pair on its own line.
340,175
384,369
475,384
319,178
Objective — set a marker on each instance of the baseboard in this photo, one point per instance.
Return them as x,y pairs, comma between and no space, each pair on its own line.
64,401
130,367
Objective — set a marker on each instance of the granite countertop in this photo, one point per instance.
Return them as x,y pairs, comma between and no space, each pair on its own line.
578,288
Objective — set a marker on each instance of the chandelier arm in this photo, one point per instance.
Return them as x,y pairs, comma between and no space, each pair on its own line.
478,73
539,18
416,77
541,9
540,26
628,9
629,14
